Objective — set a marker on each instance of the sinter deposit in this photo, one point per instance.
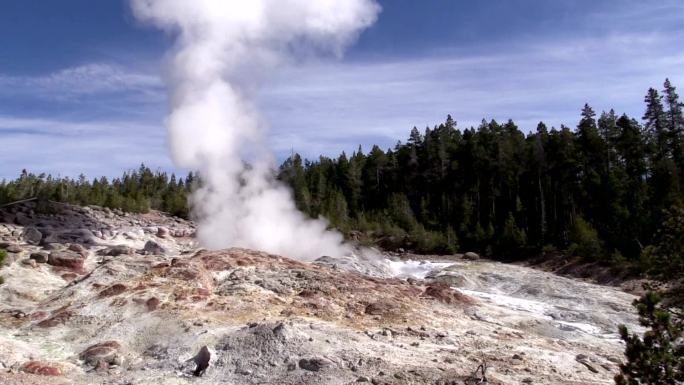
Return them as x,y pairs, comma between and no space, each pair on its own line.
95,296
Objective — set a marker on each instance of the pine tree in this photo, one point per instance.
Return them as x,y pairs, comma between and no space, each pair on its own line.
656,125
658,357
665,258
675,123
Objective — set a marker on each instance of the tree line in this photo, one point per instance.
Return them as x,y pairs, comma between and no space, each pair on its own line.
609,189
136,191
603,190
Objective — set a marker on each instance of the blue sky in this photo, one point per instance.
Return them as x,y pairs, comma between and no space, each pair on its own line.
81,88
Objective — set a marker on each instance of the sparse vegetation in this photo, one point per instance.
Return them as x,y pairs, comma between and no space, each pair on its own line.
584,240
658,357
3,255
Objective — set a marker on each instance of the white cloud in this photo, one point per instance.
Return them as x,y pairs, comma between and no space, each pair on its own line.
85,80
70,148
109,118
316,108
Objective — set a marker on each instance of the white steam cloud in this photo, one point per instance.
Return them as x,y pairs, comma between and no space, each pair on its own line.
224,51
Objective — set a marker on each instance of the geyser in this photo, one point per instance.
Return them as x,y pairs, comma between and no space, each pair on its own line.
224,50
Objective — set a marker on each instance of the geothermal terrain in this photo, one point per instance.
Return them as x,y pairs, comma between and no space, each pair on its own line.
94,296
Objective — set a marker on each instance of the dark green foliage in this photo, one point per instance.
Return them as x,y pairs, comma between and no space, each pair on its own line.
665,258
136,191
3,255
658,357
599,190
513,238
584,240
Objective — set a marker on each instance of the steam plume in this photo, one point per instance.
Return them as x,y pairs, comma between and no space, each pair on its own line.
224,50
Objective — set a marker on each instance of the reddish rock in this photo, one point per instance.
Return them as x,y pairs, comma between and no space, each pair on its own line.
202,292
163,232
216,263
66,259
57,319
107,352
444,293
42,368
77,248
29,263
69,276
38,315
152,304
14,249
115,289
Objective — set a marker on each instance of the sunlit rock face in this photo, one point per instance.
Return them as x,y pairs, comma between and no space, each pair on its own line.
143,301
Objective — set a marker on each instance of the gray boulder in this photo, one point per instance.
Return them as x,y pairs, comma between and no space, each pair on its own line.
471,256
32,235
39,257
154,248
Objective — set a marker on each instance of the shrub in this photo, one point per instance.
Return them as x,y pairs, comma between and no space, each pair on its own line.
549,249
584,240
3,255
658,358
513,238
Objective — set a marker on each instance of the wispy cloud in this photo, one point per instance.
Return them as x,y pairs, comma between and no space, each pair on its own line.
100,118
71,148
316,108
83,81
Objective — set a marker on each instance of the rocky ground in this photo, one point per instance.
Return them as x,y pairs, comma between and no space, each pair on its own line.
94,296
